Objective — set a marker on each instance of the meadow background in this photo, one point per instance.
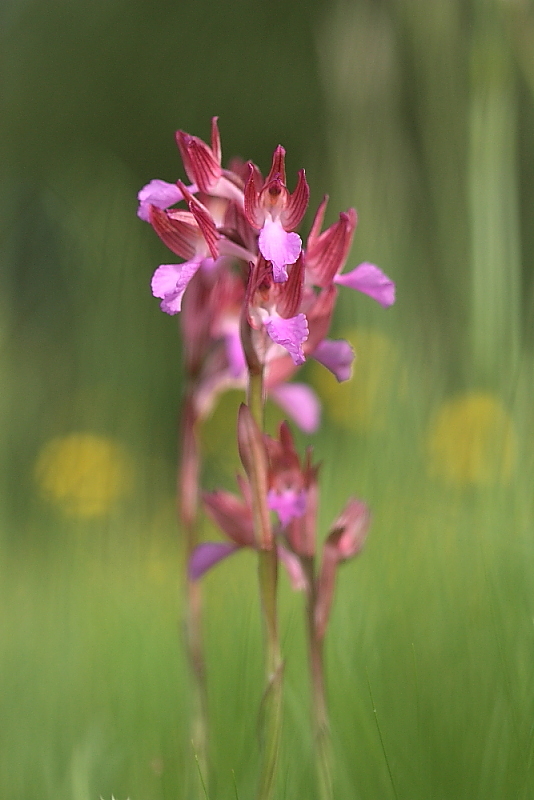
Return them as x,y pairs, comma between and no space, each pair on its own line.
421,114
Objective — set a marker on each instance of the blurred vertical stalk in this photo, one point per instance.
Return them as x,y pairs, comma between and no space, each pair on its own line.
271,712
493,202
271,717
7,227
324,760
188,491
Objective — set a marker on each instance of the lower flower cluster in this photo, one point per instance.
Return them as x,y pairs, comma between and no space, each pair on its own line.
292,493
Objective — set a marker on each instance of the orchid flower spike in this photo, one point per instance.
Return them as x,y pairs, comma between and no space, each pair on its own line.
236,222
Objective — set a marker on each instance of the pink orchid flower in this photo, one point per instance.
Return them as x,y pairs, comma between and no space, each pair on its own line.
271,209
292,491
327,252
192,235
233,515
336,355
273,308
202,165
210,322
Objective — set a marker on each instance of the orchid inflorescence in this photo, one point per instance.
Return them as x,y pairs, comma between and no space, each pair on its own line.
255,303
244,262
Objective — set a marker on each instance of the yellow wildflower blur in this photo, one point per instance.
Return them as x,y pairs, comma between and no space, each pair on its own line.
471,440
83,473
363,402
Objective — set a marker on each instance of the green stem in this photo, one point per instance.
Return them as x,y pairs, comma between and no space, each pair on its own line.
255,397
271,711
187,491
321,725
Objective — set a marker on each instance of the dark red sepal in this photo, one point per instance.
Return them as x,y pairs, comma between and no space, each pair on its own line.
177,229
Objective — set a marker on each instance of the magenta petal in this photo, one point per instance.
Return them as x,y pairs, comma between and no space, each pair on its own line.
294,569
337,356
300,402
288,504
279,247
157,193
172,304
164,279
207,555
289,333
370,280
170,282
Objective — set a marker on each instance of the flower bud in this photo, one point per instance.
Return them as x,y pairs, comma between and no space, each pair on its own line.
345,541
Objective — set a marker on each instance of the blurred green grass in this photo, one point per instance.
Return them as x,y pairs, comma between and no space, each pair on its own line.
421,115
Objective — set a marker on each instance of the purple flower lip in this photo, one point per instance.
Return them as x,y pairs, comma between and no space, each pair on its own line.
336,356
208,554
300,403
289,504
370,280
289,333
159,194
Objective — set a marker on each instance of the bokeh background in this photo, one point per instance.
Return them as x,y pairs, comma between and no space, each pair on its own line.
418,112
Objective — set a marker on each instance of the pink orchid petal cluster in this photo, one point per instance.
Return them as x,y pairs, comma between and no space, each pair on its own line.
292,494
236,221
